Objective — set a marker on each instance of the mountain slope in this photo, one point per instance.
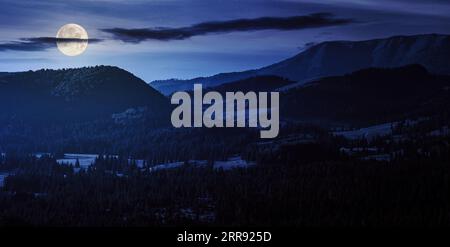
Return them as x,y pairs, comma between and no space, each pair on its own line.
75,94
338,58
369,96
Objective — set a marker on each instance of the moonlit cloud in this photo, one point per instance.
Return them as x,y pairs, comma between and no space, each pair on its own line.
39,44
263,23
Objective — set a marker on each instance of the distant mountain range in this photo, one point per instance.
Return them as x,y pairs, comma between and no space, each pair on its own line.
338,58
74,94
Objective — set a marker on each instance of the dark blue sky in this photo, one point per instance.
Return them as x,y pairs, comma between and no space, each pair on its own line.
185,39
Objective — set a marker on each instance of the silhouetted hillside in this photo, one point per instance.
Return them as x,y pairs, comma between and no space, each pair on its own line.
371,95
257,84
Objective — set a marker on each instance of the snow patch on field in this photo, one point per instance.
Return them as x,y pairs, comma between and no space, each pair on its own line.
3,176
368,132
232,163
85,160
166,166
444,131
40,155
139,163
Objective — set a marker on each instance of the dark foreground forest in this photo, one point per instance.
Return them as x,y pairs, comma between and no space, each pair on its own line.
303,181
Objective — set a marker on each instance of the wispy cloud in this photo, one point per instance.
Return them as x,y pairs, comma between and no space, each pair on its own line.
264,23
39,43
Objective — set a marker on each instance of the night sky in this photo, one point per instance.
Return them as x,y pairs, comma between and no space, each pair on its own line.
163,39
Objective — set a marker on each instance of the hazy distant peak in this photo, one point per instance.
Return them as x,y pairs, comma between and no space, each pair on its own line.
337,58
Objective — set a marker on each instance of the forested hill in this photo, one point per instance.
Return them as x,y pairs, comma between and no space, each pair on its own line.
369,96
80,94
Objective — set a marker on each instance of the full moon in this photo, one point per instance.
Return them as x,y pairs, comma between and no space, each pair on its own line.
72,32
